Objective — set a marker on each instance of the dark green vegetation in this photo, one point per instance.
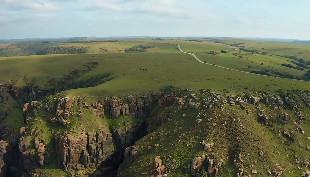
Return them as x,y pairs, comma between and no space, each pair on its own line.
259,135
136,49
39,48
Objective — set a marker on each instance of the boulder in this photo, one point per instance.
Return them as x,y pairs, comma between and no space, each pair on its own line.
254,100
284,116
22,130
240,172
197,164
207,146
213,166
277,172
181,102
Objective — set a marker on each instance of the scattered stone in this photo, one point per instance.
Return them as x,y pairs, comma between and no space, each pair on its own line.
22,130
240,172
207,146
254,172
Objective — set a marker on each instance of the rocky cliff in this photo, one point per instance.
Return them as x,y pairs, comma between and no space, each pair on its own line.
33,146
82,151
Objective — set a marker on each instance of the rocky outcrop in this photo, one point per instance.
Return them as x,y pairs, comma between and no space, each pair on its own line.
207,146
26,93
130,154
277,172
63,107
213,166
197,164
26,111
284,116
140,107
167,100
27,160
125,137
98,109
158,168
254,99
3,150
261,116
89,150
4,95
137,107
43,155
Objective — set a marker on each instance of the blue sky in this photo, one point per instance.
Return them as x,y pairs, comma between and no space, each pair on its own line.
227,18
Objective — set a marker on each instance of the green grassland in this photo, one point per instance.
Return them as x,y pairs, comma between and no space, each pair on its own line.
162,70
279,48
164,46
268,57
162,66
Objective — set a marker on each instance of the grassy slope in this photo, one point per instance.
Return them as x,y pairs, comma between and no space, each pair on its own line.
178,141
162,70
279,48
162,46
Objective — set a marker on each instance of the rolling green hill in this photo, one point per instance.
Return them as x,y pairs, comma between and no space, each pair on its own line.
140,107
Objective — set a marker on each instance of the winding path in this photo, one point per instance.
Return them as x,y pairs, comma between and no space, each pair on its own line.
199,61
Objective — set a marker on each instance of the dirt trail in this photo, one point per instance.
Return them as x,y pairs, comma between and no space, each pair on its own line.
199,61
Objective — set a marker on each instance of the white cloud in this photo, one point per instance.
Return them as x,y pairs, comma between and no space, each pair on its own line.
17,5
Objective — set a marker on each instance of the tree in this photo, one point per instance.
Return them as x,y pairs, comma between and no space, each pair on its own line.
223,51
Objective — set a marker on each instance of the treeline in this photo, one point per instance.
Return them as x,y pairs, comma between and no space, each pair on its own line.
279,74
138,48
70,81
293,67
62,50
90,41
44,47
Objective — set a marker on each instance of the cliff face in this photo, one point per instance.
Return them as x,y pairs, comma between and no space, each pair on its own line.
82,151
29,148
